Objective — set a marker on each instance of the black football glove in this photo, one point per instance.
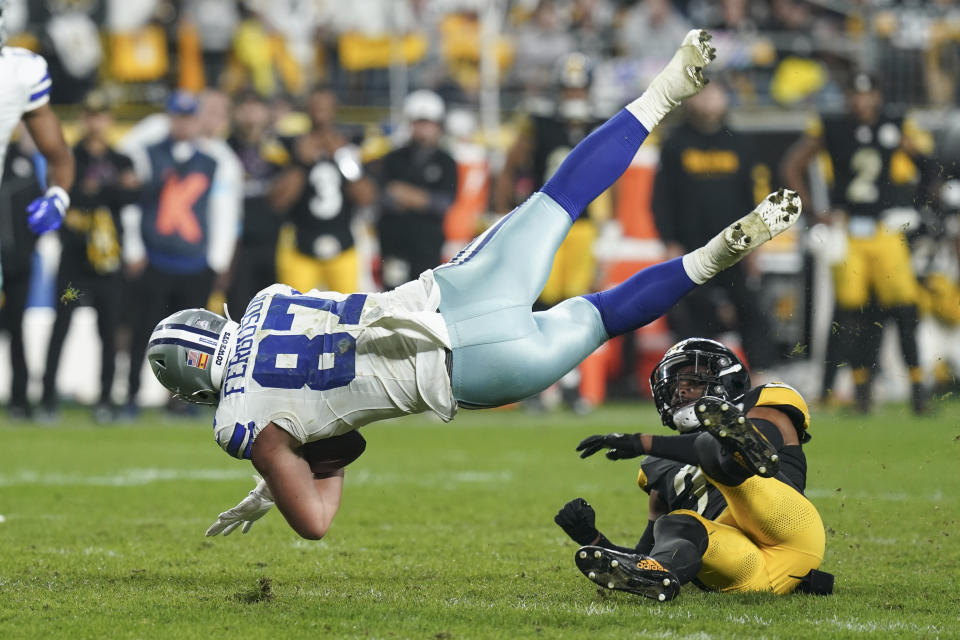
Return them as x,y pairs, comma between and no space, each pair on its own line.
621,446
578,519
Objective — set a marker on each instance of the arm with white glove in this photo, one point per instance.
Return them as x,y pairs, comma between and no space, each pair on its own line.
250,509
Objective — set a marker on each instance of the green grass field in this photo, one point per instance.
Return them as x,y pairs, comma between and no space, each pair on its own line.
446,531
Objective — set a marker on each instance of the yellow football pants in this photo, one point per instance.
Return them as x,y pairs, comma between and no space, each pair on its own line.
877,264
304,272
767,538
940,296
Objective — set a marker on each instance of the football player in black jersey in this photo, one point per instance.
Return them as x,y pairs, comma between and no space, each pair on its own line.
319,193
727,508
876,160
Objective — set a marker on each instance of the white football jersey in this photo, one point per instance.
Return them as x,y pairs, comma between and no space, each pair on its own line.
320,364
24,86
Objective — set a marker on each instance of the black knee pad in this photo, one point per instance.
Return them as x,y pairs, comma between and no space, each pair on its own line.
679,544
680,525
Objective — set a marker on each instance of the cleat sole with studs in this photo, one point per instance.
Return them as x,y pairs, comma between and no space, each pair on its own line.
622,572
733,430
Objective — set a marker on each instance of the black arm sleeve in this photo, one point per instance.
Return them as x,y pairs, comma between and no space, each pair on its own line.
793,463
679,448
770,432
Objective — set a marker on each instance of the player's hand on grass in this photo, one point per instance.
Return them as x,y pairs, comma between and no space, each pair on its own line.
620,445
578,520
250,509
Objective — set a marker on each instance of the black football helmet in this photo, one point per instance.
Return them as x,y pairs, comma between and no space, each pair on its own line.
699,361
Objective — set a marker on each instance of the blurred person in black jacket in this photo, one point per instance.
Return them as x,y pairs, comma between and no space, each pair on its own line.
418,183
20,186
262,157
90,263
704,178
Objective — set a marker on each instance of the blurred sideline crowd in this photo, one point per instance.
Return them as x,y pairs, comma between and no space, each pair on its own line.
223,146
775,51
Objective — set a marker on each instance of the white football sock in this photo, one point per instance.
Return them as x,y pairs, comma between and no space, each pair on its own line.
702,264
681,78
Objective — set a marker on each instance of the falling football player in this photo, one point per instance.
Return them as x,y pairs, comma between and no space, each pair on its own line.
300,373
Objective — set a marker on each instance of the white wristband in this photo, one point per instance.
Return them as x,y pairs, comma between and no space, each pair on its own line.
59,193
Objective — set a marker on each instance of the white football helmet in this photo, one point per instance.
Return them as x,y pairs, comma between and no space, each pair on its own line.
188,352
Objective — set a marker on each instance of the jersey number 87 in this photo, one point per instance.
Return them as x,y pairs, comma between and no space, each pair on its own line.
291,361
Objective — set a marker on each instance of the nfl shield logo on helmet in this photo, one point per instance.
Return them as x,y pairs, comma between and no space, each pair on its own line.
196,359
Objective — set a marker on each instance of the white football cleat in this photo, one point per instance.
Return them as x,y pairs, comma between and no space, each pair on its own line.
680,79
683,75
775,214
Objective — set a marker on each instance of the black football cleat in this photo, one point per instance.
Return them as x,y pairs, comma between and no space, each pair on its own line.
634,573
733,430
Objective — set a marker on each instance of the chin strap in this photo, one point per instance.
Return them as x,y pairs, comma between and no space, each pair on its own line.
228,340
685,419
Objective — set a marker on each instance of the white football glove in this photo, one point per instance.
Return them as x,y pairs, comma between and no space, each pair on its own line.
250,509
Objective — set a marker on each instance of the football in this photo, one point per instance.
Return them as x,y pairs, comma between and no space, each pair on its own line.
330,454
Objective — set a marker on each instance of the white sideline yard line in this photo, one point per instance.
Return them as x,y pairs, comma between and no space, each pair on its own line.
435,480
122,478
143,476
870,626
883,496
